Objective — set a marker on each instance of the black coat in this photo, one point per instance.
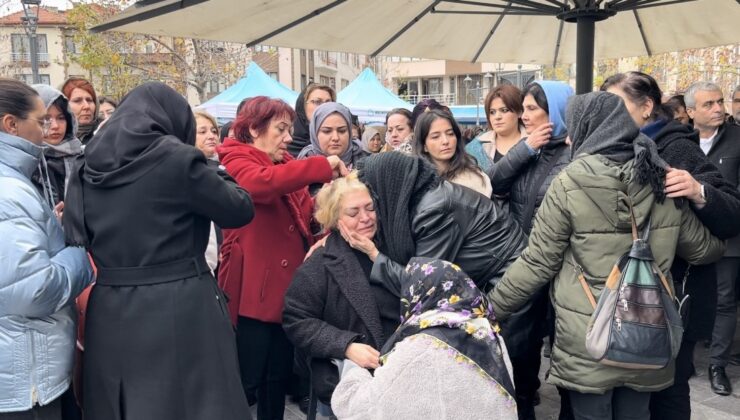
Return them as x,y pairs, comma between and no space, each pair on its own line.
678,145
158,340
725,155
329,305
457,224
524,178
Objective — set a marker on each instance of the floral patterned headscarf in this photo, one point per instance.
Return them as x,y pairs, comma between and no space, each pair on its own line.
440,300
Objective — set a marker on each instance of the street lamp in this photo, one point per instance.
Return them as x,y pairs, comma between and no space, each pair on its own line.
30,23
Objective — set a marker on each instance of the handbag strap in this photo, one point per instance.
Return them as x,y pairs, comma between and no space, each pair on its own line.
582,279
632,219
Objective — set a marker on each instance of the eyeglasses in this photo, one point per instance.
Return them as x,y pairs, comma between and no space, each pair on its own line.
317,102
45,124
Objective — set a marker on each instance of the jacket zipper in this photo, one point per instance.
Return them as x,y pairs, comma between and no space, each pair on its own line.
34,390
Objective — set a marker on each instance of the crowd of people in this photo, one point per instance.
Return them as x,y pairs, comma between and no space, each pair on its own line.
157,265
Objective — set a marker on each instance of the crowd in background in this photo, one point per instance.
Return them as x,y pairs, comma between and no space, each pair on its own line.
157,265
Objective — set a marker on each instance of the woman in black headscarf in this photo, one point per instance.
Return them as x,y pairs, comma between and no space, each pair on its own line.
419,214
159,344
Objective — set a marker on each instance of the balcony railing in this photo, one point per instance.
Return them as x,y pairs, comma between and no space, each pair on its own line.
443,98
26,57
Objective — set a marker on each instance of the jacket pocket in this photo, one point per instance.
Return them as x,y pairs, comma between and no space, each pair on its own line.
263,285
221,300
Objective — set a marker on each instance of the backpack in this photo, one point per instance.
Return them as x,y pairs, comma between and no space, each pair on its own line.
636,324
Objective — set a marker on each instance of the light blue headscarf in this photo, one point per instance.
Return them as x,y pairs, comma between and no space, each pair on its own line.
557,94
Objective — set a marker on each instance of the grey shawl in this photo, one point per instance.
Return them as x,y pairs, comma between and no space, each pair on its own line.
599,124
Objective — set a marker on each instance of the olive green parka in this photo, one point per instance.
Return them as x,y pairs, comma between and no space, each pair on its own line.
585,215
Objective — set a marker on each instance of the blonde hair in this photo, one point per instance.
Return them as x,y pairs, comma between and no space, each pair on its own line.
209,117
329,199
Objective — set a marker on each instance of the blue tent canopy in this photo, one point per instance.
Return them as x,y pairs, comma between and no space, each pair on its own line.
466,114
255,83
368,99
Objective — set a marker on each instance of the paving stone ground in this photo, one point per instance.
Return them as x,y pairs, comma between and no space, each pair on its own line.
705,405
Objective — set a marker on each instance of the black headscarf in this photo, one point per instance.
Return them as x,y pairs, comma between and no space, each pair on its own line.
397,182
149,123
301,133
438,299
599,124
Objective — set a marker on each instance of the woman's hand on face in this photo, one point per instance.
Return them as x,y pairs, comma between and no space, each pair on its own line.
363,355
540,136
358,242
338,167
680,183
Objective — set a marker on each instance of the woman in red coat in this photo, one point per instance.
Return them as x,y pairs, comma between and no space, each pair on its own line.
259,259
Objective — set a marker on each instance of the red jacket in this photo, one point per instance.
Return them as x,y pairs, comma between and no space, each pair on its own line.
260,258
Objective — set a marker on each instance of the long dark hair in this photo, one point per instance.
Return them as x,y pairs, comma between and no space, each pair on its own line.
640,87
461,161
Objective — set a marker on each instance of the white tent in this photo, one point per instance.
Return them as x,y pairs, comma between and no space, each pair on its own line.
499,31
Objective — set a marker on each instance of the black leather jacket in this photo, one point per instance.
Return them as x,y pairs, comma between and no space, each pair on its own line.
457,224
521,177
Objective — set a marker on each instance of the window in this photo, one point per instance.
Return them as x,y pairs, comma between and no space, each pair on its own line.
264,49
273,75
70,45
356,58
452,86
432,86
21,47
345,83
345,58
28,78
324,80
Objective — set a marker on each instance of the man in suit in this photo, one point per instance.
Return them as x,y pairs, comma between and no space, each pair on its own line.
720,141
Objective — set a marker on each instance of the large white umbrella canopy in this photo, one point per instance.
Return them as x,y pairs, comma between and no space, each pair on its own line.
513,31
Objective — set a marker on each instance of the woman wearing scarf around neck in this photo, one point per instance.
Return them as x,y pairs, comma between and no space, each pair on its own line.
523,176
713,199
584,218
83,102
445,361
61,145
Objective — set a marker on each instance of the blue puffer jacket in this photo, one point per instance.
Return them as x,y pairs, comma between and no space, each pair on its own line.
39,279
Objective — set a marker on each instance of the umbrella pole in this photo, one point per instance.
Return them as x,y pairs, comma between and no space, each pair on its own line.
585,54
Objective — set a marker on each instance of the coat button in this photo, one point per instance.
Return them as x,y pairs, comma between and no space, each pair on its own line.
291,228
284,263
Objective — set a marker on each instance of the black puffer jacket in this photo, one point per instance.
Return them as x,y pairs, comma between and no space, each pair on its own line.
679,146
457,224
521,177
